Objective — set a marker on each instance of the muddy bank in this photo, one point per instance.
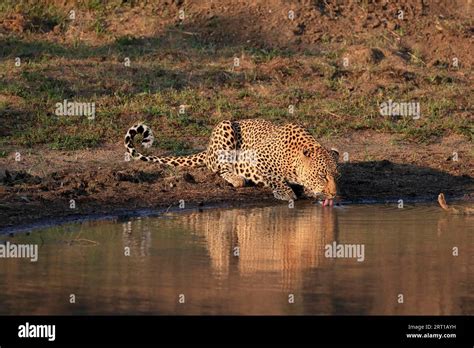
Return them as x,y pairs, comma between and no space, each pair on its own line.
54,185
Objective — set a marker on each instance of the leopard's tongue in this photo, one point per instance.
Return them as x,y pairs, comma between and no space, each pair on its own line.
327,202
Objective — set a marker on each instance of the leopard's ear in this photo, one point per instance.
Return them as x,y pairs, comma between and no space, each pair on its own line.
334,154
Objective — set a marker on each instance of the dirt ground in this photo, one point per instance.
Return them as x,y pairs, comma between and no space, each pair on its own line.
42,184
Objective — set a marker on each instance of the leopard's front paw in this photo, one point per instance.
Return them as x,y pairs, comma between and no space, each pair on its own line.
284,194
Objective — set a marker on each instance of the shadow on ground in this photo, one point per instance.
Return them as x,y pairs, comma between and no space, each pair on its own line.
388,180
32,198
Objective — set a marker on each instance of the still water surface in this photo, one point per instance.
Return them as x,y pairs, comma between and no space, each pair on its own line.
249,261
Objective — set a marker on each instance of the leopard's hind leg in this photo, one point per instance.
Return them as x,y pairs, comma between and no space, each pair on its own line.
222,154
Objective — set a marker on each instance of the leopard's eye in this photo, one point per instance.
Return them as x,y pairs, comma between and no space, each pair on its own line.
322,176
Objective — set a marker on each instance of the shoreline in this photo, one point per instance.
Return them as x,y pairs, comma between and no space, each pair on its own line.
123,213
45,183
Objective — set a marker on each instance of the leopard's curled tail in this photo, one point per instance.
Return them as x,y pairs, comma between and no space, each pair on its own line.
196,160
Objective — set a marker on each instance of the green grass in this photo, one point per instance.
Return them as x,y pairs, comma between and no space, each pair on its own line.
167,72
74,142
95,5
176,146
39,17
99,25
161,110
266,55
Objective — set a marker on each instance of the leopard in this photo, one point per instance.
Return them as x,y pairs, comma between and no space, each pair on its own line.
257,151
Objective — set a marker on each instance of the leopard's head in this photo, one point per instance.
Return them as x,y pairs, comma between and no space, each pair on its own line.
317,171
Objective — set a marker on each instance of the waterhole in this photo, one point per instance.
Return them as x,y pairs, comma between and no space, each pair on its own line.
356,259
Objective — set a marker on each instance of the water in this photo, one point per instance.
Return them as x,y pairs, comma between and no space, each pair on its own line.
281,257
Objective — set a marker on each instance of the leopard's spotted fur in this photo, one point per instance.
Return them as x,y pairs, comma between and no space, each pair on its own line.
258,151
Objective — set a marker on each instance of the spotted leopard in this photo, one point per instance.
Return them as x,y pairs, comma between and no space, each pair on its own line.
258,151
